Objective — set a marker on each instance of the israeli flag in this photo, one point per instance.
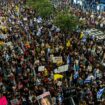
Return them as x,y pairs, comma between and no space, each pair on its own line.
84,39
99,93
39,20
76,75
87,81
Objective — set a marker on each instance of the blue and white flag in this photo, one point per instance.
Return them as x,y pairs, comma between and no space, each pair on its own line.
87,81
76,75
84,39
39,20
99,93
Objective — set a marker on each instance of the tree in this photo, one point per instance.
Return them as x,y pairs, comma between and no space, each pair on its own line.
43,8
66,22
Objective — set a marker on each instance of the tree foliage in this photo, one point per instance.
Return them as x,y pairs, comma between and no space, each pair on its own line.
66,21
43,8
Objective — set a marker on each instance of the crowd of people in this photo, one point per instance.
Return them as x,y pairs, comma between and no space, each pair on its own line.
28,42
89,17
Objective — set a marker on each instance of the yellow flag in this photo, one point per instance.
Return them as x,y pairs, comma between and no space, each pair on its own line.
81,35
68,44
57,76
17,9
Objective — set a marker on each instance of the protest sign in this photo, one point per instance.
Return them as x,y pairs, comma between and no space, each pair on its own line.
61,69
3,101
57,60
69,92
44,99
37,62
41,68
25,19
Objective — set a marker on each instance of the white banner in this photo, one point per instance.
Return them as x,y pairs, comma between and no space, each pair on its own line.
57,59
61,69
